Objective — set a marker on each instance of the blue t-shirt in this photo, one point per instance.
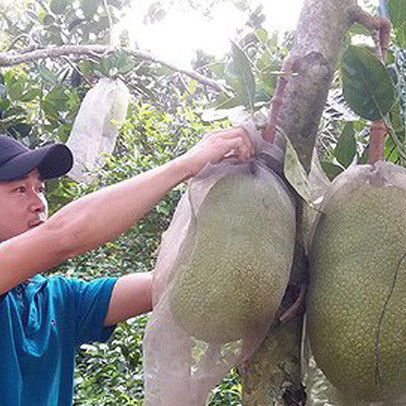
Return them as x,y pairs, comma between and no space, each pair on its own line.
42,323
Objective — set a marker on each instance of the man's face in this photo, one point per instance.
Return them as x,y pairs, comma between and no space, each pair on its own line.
22,205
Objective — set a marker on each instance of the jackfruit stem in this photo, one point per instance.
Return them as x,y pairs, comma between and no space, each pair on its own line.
297,307
379,131
380,28
269,133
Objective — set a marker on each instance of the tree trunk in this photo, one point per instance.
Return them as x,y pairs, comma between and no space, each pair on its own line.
319,38
273,376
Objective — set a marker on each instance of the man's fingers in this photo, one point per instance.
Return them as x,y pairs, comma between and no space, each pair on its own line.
235,132
238,147
239,133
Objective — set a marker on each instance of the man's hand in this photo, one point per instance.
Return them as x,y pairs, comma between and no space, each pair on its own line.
234,142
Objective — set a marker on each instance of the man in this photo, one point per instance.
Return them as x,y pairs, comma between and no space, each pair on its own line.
44,319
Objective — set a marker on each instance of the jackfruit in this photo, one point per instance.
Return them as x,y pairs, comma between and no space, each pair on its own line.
234,266
356,316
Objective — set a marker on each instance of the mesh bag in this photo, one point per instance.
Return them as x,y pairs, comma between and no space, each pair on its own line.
95,131
356,329
209,309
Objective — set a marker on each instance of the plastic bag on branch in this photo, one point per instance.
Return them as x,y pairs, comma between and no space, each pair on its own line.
95,130
221,273
355,317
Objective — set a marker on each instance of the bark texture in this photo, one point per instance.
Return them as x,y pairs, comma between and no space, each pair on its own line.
319,38
273,376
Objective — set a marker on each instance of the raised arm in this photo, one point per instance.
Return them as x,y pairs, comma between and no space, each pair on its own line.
89,222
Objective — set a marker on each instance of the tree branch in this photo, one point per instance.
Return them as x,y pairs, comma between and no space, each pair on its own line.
100,51
272,377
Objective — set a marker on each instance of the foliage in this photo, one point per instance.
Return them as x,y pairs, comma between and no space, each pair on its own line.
367,85
112,373
38,104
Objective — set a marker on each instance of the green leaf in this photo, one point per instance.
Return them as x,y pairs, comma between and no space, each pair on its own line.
391,151
367,86
364,157
15,90
330,169
261,95
48,19
347,146
54,35
397,15
359,29
230,103
47,75
395,117
85,67
59,6
42,14
120,62
262,34
55,102
30,95
393,73
4,104
105,65
124,63
245,76
89,7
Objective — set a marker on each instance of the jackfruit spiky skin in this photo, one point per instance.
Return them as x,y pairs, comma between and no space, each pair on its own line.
234,267
357,292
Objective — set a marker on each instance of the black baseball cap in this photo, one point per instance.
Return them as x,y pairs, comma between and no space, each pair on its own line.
16,160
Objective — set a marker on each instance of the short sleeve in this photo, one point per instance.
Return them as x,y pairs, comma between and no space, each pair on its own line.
91,302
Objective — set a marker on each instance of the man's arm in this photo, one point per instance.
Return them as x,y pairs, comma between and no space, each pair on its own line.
89,222
132,295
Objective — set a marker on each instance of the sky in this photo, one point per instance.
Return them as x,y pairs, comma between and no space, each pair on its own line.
176,37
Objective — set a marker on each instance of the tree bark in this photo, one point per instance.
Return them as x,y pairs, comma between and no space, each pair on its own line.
272,376
319,38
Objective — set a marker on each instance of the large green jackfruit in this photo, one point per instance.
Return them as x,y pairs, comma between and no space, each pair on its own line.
357,293
234,266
